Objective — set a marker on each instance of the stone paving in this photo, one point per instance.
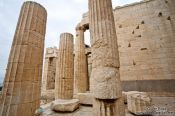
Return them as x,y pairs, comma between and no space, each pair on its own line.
160,102
82,111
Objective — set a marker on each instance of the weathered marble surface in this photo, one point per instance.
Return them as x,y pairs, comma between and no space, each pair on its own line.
105,60
80,62
64,79
61,105
138,103
161,102
85,98
21,91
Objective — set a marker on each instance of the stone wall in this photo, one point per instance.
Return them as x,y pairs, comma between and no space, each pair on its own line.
146,38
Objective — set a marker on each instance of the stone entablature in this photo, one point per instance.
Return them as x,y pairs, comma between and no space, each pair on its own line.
51,52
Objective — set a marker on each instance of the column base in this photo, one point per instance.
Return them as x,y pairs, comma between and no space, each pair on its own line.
108,107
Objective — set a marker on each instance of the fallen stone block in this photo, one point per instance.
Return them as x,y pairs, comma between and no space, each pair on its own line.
124,95
138,103
61,105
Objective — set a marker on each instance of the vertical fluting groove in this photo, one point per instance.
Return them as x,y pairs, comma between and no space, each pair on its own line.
17,66
7,111
16,94
80,71
64,68
105,61
104,32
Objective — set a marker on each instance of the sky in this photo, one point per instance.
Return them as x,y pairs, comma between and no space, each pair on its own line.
63,16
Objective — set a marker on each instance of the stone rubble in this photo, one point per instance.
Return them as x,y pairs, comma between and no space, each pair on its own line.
139,103
61,105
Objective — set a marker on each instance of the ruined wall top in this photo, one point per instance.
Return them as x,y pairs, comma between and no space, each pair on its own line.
132,4
85,16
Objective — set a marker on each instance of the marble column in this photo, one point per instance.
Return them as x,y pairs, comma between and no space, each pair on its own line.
64,68
22,84
80,62
105,60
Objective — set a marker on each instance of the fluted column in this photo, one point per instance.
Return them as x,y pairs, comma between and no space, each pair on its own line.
105,60
21,92
64,68
80,62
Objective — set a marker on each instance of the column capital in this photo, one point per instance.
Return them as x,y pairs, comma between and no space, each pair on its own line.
80,27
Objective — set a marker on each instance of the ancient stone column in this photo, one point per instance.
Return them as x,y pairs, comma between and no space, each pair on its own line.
64,68
105,60
21,92
80,62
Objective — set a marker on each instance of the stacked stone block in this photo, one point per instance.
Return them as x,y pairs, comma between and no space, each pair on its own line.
145,33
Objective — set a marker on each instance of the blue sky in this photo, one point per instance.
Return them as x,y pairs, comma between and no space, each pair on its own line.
63,16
